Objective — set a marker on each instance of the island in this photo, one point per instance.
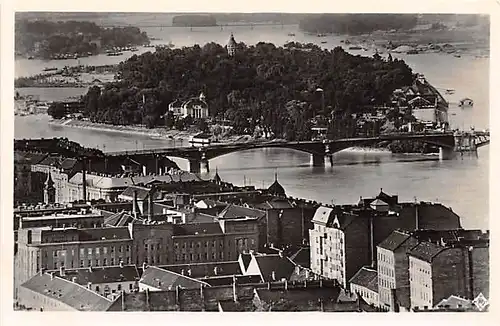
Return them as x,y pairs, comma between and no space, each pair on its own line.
295,92
72,39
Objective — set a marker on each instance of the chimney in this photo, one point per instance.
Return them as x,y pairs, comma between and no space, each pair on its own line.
134,205
202,297
121,263
321,282
182,271
280,253
321,306
144,266
51,276
273,275
147,298
416,216
151,204
90,269
286,284
307,274
123,300
73,279
177,294
216,270
235,295
189,271
61,271
89,285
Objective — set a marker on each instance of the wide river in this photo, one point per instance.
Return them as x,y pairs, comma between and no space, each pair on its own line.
462,183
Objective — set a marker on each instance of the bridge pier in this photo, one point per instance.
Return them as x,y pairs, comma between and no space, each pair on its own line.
446,153
194,166
204,166
317,160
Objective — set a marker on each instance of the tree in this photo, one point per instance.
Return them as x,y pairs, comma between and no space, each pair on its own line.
56,110
169,120
202,125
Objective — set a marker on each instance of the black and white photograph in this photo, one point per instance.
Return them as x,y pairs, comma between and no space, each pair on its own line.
199,161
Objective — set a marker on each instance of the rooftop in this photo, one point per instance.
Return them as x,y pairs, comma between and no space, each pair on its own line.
167,280
71,294
281,267
196,229
98,275
236,211
367,278
394,240
208,269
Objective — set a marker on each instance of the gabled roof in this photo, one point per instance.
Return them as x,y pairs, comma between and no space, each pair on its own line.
276,203
245,259
302,257
142,192
229,279
105,233
201,228
208,269
276,189
394,240
323,215
282,267
118,219
236,211
167,280
71,294
454,302
426,251
99,275
367,278
378,202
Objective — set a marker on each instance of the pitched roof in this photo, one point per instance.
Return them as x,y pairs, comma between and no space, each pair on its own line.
246,259
236,211
276,203
229,279
276,189
302,257
167,280
394,240
282,267
198,228
208,269
142,192
300,299
244,305
29,158
367,278
454,302
69,293
118,219
323,215
98,275
426,251
105,233
378,202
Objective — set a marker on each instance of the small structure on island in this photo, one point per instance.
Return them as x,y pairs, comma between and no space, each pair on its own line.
231,46
201,140
466,102
196,107
276,189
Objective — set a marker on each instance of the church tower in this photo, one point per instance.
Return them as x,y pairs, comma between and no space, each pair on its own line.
231,46
49,191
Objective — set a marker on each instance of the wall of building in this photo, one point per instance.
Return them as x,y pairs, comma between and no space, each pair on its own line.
371,297
449,274
153,244
386,276
481,271
422,279
357,247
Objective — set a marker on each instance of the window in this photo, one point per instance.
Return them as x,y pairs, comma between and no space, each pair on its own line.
97,288
158,246
112,262
128,248
130,286
120,249
82,251
214,243
97,262
89,251
176,245
104,262
55,253
112,249
129,260
146,246
105,250
97,251
89,263
82,263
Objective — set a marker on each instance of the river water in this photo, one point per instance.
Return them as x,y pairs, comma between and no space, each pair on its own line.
461,183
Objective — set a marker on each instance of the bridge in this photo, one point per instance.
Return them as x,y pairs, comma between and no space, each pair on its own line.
198,157
219,25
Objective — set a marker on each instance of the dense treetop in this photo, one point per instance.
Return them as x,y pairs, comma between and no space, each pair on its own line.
356,23
46,38
273,87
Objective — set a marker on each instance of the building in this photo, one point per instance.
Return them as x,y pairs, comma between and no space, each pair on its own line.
276,189
48,292
392,267
344,238
196,107
231,46
107,281
270,268
23,181
365,284
449,264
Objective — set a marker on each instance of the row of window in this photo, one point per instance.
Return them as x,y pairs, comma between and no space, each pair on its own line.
385,258
384,270
386,283
104,261
104,250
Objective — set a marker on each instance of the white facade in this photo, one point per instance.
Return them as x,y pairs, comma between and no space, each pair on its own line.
386,276
195,107
420,283
370,296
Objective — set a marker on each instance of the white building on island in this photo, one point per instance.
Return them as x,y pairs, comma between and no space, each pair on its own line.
196,107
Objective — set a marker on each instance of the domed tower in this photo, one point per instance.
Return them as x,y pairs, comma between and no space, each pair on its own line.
231,46
217,179
49,191
276,189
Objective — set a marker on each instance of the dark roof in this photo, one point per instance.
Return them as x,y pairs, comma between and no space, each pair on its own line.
118,219
72,294
426,251
29,158
202,270
98,275
105,233
394,240
51,161
217,177
367,278
276,189
199,228
300,299
302,257
68,163
246,259
276,203
282,267
323,215
229,279
235,211
244,305
167,280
